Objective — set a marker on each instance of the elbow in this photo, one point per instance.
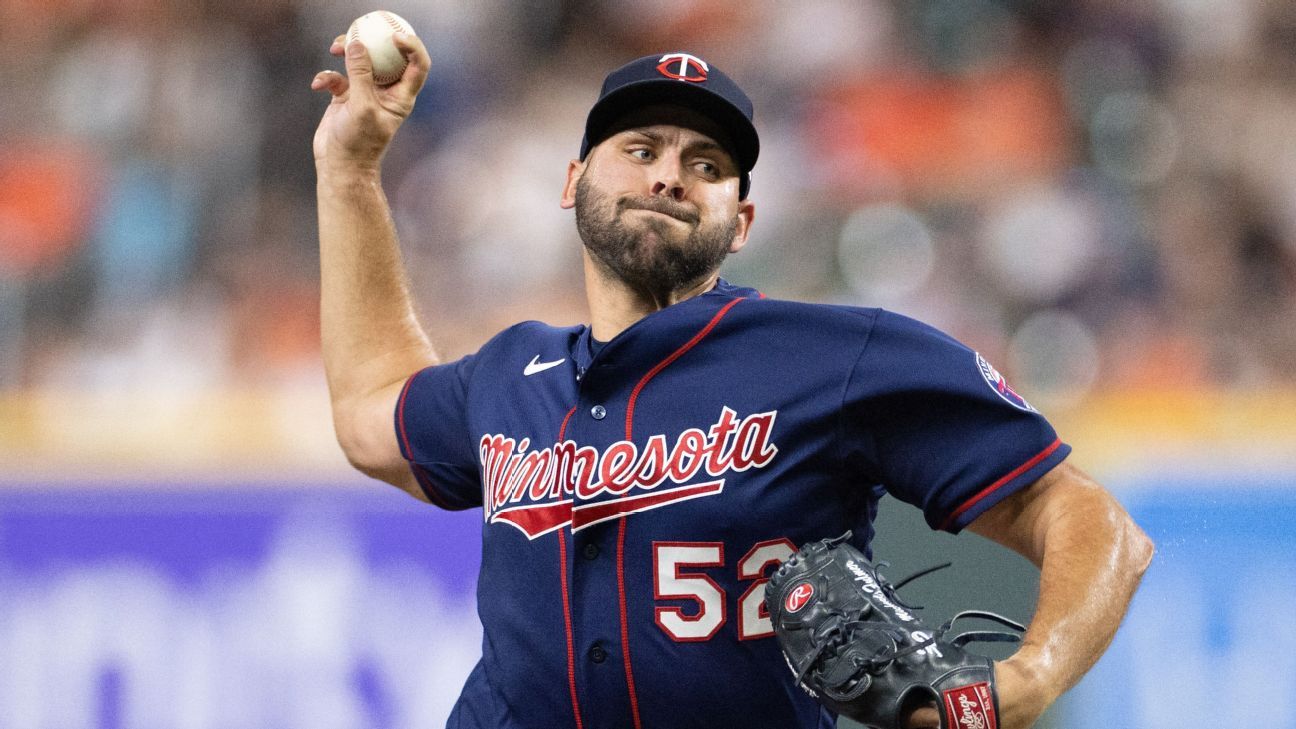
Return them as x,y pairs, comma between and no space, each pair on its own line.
360,460
366,434
1141,549
1146,551
378,459
361,456
368,449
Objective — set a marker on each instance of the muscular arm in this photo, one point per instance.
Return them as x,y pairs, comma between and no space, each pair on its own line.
1091,557
371,339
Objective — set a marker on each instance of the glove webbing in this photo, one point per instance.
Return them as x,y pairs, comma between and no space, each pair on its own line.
838,631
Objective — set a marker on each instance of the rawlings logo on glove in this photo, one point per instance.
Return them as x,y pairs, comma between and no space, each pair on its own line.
859,650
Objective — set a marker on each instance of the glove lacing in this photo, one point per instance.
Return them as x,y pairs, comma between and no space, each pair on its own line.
837,633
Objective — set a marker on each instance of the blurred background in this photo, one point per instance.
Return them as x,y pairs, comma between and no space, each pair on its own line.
1098,196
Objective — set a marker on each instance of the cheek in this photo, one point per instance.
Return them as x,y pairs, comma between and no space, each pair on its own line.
720,208
618,178
722,197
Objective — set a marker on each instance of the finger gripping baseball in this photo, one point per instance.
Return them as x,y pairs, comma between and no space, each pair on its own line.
376,31
860,650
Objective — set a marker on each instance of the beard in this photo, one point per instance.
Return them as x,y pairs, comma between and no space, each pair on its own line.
651,255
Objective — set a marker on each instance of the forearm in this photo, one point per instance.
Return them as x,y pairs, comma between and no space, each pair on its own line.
1091,557
371,338
370,334
1093,561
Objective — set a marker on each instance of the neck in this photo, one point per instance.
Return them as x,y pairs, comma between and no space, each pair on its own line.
615,305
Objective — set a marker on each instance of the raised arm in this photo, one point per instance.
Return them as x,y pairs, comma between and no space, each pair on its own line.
372,341
1091,557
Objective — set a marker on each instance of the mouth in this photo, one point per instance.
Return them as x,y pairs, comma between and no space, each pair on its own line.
657,213
669,210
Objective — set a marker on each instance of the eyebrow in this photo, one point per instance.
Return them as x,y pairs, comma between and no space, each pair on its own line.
700,145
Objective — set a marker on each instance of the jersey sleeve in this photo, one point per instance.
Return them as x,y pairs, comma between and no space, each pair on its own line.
432,428
937,425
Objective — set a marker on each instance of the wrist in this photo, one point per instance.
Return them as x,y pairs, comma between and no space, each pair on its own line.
342,167
347,172
1033,666
1025,687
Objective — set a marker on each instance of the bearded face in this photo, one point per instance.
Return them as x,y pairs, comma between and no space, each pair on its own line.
652,243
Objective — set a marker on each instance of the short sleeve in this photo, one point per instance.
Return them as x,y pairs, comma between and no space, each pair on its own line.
432,428
934,423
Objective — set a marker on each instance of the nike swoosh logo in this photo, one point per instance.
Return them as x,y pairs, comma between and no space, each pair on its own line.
537,366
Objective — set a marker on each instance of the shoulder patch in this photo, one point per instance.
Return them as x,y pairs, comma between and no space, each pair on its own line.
997,383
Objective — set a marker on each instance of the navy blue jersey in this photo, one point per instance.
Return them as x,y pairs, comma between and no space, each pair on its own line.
633,500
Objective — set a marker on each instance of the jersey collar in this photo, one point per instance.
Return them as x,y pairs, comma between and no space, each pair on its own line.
655,336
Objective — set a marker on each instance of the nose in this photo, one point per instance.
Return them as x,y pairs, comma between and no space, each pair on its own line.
669,182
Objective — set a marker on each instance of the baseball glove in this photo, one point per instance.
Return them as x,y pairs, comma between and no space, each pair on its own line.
862,652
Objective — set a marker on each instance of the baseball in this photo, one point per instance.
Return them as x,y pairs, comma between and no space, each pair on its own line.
375,31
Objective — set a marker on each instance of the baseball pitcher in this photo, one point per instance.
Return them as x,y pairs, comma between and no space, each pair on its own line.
641,478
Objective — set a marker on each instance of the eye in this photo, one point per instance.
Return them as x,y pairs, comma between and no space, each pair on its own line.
641,153
707,168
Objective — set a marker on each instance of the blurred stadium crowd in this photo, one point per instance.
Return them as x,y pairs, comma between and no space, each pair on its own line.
1095,194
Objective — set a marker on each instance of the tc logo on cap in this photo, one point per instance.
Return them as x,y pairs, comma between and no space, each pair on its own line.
683,67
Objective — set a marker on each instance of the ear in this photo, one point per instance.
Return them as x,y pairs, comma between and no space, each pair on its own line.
575,169
746,214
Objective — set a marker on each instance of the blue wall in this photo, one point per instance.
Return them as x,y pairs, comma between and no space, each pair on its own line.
351,606
223,607
1211,638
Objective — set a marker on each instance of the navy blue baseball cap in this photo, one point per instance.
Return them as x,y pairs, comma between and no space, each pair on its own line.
686,80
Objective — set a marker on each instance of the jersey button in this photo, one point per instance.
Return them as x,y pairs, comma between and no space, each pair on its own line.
591,551
597,654
598,412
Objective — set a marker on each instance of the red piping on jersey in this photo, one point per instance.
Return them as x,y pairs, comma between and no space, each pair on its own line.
1023,468
562,429
425,485
621,531
421,476
566,603
400,416
666,362
625,625
567,624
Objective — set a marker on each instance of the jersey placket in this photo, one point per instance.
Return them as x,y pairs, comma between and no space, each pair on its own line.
604,414
599,661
